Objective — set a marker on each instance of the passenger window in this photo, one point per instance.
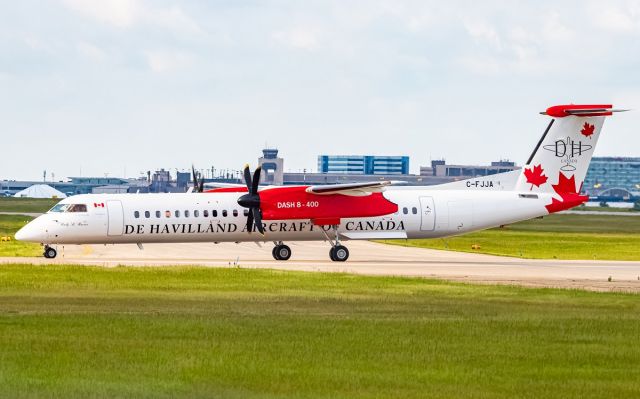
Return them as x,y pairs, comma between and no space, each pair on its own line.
405,211
205,213
158,214
414,210
177,214
245,212
147,214
196,213
167,214
136,214
224,213
214,213
77,208
235,212
186,214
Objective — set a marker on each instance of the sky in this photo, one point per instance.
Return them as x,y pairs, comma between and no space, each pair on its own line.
119,87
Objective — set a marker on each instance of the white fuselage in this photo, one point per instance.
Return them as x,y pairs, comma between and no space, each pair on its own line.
423,212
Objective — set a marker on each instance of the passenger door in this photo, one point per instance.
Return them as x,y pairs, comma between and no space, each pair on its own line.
116,218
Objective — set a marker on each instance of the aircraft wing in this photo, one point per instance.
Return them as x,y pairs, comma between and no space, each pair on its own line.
224,185
352,189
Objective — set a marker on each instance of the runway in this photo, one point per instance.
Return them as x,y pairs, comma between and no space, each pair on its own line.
366,258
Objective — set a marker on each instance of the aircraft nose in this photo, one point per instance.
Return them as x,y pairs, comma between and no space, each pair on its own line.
31,233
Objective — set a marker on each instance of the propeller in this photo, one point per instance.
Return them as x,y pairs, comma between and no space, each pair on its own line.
251,200
197,187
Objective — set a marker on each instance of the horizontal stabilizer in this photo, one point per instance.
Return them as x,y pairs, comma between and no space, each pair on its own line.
560,111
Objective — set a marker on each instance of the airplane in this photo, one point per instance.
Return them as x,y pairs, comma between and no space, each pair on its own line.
551,181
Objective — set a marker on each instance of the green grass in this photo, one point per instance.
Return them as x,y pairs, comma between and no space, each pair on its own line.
598,237
28,205
539,245
73,331
604,209
594,224
9,224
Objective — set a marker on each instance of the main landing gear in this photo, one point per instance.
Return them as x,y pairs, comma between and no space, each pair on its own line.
49,252
338,252
281,251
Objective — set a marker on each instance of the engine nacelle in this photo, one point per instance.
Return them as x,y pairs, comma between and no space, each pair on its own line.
286,203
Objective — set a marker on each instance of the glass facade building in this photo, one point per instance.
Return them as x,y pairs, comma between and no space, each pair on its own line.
363,164
607,174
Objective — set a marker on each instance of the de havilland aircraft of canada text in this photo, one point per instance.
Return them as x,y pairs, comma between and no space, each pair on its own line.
551,181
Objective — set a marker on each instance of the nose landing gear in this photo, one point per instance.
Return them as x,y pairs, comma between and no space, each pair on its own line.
49,252
281,251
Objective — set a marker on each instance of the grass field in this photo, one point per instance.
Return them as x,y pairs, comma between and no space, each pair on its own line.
73,331
599,237
604,209
9,224
595,224
28,205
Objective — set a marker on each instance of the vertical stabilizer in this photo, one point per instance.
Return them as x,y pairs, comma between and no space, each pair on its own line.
559,163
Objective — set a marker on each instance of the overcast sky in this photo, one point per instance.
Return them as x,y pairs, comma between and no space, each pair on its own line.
97,87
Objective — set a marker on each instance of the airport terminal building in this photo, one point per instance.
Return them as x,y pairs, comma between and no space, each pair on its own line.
363,164
608,178
613,178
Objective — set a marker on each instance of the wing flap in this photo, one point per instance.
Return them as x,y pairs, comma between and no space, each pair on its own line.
352,189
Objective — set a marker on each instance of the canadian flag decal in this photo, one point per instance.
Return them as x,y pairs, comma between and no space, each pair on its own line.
535,176
98,204
587,130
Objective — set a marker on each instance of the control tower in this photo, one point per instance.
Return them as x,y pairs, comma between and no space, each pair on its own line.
272,167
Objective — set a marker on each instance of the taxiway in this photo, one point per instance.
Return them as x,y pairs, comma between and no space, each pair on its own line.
366,258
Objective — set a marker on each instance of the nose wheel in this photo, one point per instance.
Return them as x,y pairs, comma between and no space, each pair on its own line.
49,252
281,251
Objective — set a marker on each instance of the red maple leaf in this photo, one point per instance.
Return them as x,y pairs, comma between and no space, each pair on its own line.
535,176
587,130
566,188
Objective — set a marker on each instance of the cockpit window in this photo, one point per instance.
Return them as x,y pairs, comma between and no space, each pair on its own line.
69,208
59,208
77,208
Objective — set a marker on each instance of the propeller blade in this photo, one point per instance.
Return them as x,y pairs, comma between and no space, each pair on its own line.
257,215
250,222
256,180
201,187
195,178
247,177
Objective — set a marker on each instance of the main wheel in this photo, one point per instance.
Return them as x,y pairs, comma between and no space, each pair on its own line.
274,253
282,252
50,253
339,253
